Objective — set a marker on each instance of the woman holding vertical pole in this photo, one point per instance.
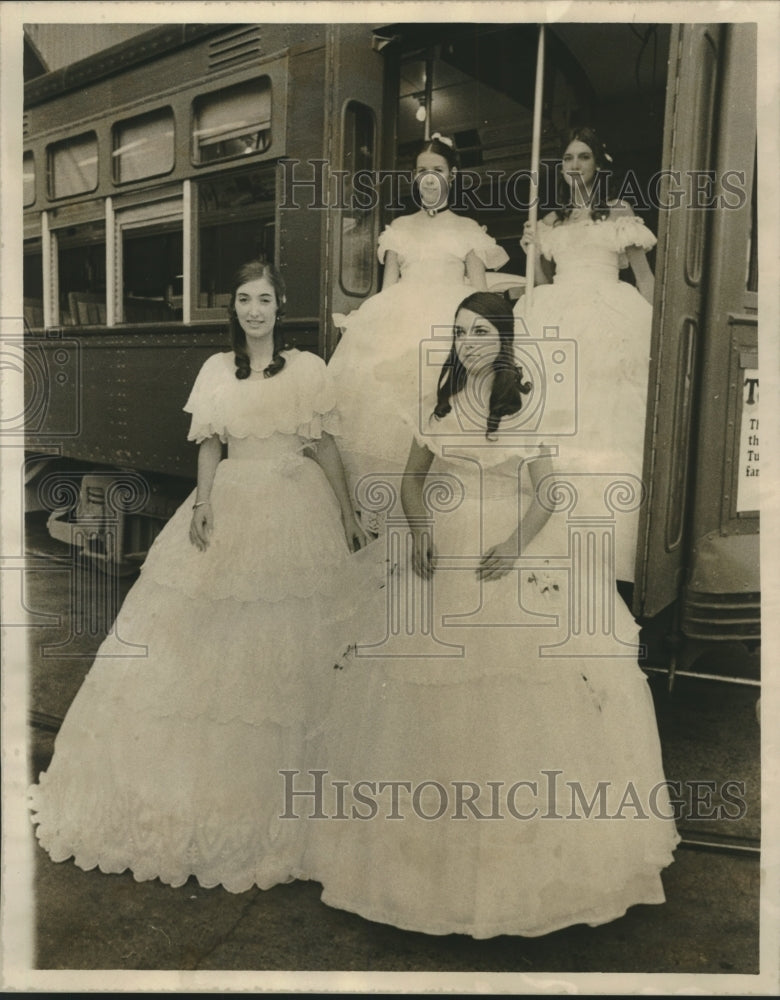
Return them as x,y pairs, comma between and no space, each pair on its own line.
583,245
440,805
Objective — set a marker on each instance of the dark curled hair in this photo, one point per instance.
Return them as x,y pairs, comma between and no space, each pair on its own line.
251,271
599,200
508,386
437,145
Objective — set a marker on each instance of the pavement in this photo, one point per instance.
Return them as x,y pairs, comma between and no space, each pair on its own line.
709,924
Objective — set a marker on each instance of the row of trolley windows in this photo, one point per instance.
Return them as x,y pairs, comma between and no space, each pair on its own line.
234,222
228,123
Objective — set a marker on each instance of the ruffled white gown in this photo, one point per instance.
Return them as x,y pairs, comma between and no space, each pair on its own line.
167,761
610,323
526,679
379,364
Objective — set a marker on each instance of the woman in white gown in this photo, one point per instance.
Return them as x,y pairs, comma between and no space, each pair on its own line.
431,259
452,768
168,760
581,249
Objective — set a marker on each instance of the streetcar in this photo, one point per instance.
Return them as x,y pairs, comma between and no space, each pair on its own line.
153,168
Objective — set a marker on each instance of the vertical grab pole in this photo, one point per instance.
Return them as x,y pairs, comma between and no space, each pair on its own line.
428,92
530,266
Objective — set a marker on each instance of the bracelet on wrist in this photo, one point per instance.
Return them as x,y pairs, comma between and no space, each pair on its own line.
200,503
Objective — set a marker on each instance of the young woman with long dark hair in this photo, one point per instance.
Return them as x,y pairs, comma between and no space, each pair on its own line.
458,747
581,249
168,760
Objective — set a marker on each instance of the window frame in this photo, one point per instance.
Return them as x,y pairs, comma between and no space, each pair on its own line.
80,242
212,92
346,107
110,198
180,98
115,160
51,148
28,250
170,209
217,313
31,154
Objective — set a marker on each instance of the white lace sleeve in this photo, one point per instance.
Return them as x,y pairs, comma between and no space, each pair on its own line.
546,238
485,247
203,401
318,399
630,231
392,238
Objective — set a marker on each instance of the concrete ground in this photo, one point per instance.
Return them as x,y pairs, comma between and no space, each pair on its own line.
87,920
709,923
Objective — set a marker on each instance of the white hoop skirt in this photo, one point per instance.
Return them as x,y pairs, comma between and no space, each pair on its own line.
508,702
610,323
212,678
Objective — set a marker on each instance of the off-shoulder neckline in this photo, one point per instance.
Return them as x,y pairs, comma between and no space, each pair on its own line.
449,215
227,357
593,222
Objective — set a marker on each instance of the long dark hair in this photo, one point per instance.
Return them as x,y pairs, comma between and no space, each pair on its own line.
599,197
251,271
508,386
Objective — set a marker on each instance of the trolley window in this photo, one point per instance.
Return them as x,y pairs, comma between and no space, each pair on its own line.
73,165
356,265
28,179
33,283
235,223
152,273
150,245
81,272
143,146
234,121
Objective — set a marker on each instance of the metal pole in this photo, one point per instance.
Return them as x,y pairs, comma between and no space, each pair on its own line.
428,92
530,267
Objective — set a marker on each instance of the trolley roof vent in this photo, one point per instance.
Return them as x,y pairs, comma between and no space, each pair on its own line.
235,47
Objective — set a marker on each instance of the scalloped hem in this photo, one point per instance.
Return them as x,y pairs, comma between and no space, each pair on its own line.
593,917
280,873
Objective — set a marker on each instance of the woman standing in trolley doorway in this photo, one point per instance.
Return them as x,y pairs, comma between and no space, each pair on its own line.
431,258
580,251
168,760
